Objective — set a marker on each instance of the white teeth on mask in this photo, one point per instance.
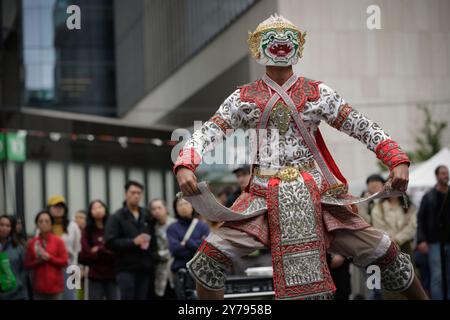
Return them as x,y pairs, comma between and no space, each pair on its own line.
279,43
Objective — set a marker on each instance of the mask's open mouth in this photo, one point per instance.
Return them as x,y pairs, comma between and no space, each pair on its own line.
281,48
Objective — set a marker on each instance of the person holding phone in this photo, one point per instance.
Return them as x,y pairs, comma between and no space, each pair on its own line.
129,233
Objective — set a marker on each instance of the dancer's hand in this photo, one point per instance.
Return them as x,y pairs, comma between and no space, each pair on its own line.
187,182
399,177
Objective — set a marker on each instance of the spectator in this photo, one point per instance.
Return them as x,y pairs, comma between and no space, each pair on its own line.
47,256
69,232
80,219
340,272
398,218
164,287
185,237
374,184
223,195
243,179
257,258
129,234
14,252
430,233
102,277
21,235
423,268
22,238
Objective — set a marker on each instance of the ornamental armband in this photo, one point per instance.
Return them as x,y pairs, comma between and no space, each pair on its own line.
221,123
389,152
344,111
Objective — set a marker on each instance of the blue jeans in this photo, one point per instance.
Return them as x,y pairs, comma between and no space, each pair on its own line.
434,261
133,285
375,294
422,265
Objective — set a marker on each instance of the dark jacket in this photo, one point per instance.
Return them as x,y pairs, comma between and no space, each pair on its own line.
428,218
341,278
101,263
175,234
232,197
120,231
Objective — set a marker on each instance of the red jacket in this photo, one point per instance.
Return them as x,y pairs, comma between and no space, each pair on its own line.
48,275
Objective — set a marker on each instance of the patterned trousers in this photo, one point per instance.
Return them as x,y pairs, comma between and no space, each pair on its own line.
364,247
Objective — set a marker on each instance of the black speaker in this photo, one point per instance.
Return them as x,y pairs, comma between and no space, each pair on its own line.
244,287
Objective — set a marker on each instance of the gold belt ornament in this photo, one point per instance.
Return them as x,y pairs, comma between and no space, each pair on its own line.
337,190
286,173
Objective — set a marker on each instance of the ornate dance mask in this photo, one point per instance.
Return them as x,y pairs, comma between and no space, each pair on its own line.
276,42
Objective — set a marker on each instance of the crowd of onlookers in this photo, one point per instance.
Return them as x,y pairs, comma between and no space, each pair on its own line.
141,253
136,253
418,230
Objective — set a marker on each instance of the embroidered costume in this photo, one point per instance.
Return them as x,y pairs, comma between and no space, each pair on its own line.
291,179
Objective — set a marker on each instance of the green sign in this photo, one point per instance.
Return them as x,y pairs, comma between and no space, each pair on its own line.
15,146
2,146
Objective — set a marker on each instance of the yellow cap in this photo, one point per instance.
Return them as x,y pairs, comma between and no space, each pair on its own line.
54,200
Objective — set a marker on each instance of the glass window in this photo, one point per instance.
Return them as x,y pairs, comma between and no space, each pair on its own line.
69,70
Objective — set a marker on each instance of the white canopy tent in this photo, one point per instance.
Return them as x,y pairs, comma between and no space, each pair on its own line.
422,178
423,174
